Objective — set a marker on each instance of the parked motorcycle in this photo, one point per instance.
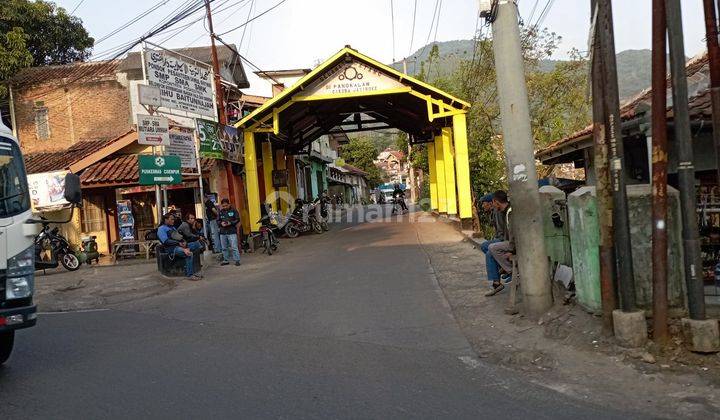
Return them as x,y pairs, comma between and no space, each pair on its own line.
60,250
268,229
302,220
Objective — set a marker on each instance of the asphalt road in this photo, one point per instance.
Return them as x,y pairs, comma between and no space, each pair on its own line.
349,324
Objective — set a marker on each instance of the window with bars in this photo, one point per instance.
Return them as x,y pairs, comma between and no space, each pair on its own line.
93,213
42,123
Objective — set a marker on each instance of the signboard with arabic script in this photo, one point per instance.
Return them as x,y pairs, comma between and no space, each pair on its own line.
219,141
183,84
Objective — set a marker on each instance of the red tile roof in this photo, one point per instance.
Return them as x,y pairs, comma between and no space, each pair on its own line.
355,171
122,170
58,160
699,103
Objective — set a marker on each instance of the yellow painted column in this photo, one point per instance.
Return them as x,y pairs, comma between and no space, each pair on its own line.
449,161
251,180
462,166
280,159
267,155
440,177
433,176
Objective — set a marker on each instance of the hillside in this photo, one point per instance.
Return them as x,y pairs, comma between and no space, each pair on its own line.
633,65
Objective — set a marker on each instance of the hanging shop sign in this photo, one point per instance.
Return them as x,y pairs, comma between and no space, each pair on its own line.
182,145
349,78
153,130
126,221
149,95
183,84
47,190
159,170
219,141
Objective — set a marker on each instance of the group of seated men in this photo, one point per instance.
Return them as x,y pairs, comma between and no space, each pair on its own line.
500,248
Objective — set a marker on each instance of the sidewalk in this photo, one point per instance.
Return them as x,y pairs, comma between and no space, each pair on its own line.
566,350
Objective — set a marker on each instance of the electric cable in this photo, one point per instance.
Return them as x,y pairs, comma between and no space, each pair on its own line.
254,17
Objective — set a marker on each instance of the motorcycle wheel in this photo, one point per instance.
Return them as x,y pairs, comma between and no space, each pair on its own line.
69,261
324,225
317,228
291,230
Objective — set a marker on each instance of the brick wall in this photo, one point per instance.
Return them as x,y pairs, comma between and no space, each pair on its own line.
88,110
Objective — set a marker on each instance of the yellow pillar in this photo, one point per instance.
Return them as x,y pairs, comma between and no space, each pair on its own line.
440,177
449,162
267,155
251,180
433,176
462,166
280,159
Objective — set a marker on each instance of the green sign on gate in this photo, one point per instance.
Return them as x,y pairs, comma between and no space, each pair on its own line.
156,170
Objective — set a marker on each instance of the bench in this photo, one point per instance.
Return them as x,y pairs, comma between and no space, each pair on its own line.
174,267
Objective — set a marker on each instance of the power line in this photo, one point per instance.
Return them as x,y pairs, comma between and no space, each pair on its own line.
432,22
221,21
392,25
255,17
412,33
544,13
532,13
233,49
242,37
437,25
132,21
76,6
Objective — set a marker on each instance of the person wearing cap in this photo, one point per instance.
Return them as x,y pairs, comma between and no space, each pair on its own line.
495,216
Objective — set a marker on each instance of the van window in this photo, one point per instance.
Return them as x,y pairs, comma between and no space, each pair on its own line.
14,194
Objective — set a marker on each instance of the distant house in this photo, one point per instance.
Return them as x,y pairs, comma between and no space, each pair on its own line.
392,162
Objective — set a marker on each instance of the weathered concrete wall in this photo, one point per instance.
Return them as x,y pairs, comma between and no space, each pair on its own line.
585,240
557,239
584,237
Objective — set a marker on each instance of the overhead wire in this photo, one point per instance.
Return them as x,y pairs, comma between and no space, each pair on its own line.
77,6
412,32
254,17
437,25
427,40
242,37
131,21
392,26
222,20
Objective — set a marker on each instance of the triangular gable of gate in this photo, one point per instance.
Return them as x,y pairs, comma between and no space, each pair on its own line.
346,74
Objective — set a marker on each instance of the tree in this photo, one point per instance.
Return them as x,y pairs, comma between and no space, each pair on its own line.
13,55
52,35
360,152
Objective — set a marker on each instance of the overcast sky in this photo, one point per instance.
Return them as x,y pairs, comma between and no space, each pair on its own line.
301,32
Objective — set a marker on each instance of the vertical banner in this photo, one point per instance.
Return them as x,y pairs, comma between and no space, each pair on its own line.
126,221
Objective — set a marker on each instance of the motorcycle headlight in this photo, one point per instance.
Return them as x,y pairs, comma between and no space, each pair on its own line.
19,287
20,275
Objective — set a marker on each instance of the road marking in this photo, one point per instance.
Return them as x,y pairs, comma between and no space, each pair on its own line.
79,311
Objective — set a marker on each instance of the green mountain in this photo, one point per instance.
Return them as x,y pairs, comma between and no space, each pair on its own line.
633,66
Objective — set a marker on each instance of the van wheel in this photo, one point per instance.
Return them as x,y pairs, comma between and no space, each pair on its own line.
7,339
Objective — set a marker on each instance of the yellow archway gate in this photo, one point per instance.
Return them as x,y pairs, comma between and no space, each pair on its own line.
351,92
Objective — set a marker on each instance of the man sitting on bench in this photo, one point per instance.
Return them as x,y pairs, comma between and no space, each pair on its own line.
177,247
503,250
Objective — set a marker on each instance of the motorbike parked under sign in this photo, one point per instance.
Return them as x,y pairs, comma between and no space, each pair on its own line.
60,250
302,220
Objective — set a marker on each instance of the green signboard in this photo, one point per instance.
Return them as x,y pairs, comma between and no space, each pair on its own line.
156,170
219,141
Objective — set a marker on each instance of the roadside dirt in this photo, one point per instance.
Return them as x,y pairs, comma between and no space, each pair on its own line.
566,350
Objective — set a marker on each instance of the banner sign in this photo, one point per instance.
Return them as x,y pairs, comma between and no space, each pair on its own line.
159,170
183,84
149,95
126,221
153,130
47,190
182,145
219,142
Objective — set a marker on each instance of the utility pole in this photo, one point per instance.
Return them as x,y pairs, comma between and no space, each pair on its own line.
411,170
686,168
219,97
623,247
659,171
711,37
603,191
518,141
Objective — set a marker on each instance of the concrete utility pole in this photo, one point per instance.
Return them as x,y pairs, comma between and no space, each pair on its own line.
603,191
686,168
659,172
519,151
623,247
219,97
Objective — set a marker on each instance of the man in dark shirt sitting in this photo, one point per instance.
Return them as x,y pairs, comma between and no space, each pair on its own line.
177,246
